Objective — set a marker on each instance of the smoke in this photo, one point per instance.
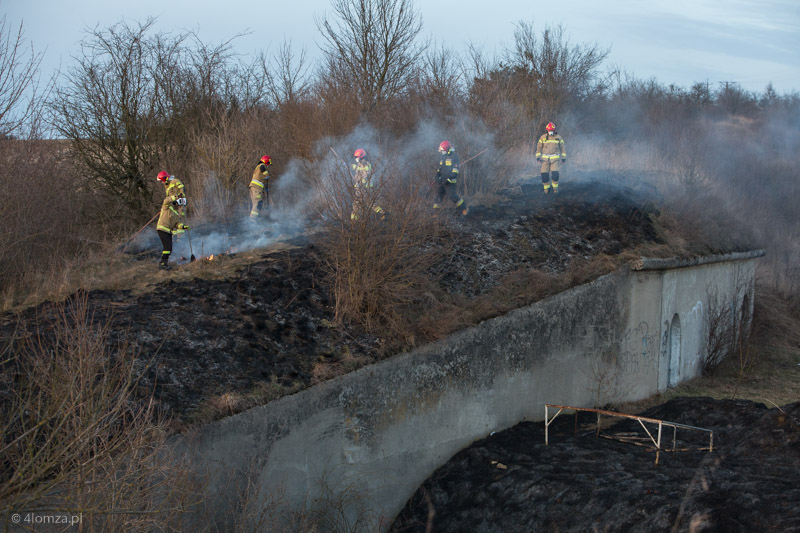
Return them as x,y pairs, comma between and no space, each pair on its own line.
731,176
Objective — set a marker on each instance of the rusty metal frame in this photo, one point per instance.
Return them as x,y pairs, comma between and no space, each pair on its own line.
656,441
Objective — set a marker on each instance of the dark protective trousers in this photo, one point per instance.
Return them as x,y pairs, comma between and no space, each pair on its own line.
166,243
449,190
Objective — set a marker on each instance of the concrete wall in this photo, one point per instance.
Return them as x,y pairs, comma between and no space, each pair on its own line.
366,441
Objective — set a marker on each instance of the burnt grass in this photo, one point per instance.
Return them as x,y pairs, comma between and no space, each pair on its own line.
209,348
511,482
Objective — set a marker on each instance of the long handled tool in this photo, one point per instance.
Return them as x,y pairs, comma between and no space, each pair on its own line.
138,232
474,156
189,236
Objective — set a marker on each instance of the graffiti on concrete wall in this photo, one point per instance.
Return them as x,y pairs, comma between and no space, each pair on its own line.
697,311
635,350
618,356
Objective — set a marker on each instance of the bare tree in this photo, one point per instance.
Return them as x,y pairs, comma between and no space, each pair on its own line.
137,100
290,82
559,70
441,77
113,107
533,82
19,70
371,45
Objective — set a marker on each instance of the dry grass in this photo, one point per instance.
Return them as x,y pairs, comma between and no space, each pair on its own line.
343,363
230,403
375,263
74,437
109,269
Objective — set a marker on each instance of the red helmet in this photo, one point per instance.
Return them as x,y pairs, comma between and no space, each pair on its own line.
444,146
550,126
360,153
163,176
267,160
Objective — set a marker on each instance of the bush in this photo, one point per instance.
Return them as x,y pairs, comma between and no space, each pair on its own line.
376,263
74,437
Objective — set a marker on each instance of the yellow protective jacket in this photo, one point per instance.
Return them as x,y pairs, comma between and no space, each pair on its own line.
550,147
174,188
260,177
361,173
170,218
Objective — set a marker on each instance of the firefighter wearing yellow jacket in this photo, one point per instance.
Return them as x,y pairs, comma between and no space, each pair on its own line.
362,186
550,152
169,224
259,186
173,187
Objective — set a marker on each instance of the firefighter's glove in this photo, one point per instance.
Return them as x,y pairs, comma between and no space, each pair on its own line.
538,159
181,201
563,159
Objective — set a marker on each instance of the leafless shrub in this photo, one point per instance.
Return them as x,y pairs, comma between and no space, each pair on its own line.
20,101
225,152
376,262
720,332
728,326
75,438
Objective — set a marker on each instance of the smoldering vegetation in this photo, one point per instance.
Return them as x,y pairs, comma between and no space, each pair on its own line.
711,168
716,155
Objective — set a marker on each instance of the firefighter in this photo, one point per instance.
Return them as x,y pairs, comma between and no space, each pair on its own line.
362,184
259,186
170,223
550,152
447,178
173,187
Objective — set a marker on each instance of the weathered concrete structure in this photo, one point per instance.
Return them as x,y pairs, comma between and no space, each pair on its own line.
367,440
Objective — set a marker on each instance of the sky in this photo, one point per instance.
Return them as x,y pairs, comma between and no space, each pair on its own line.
677,42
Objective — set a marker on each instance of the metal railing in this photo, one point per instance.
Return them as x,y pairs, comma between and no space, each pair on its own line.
656,441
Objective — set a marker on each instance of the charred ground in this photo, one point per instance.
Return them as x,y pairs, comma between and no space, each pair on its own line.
214,347
209,348
511,481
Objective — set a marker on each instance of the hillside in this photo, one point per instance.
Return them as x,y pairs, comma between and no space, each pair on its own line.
212,338
212,347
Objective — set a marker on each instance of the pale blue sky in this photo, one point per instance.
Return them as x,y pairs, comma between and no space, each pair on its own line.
745,41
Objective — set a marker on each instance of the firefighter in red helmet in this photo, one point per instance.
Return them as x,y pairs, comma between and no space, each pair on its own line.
550,152
363,186
447,178
172,186
259,186
170,220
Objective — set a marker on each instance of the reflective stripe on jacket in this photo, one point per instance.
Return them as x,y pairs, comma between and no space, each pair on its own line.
448,167
550,147
361,173
170,218
260,177
174,188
